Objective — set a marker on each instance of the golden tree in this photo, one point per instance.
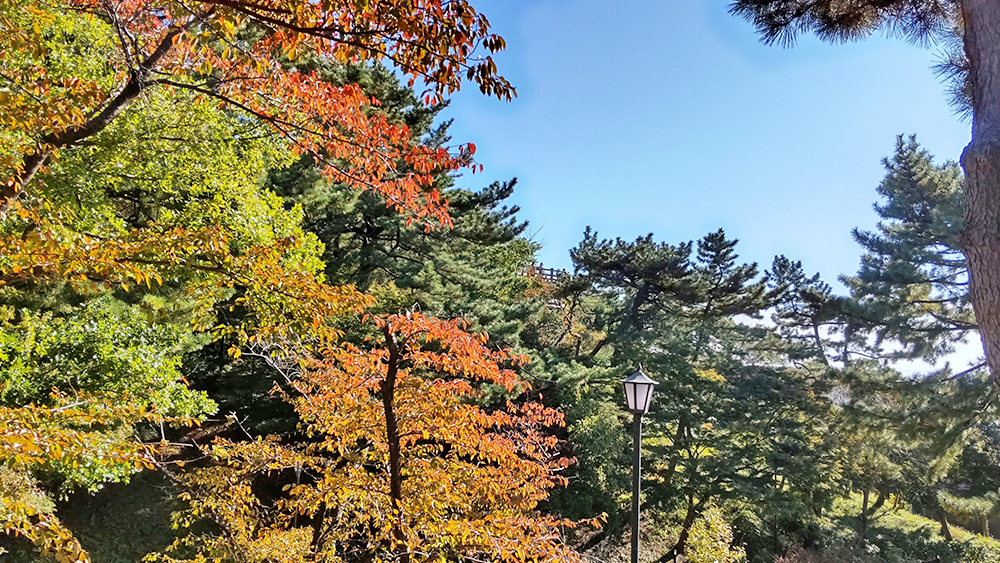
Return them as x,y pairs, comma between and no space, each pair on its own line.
398,461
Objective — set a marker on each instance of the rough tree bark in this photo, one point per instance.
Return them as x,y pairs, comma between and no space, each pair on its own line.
981,162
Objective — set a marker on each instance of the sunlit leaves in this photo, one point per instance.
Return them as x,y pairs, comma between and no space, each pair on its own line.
94,197
55,67
76,433
470,479
104,346
241,55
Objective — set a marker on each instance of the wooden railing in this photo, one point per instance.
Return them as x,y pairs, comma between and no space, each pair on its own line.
547,275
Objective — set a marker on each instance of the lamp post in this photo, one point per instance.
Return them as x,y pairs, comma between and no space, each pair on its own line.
638,395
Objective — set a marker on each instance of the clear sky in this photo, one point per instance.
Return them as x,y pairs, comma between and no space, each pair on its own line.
671,117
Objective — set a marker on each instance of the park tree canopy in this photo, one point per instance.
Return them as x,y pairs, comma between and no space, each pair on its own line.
233,253
136,141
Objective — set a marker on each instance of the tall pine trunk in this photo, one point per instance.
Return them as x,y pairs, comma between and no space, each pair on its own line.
981,161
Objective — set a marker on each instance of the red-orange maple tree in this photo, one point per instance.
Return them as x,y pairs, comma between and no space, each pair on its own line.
399,462
243,54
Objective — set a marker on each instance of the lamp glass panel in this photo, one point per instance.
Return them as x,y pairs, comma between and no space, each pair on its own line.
649,398
630,395
642,394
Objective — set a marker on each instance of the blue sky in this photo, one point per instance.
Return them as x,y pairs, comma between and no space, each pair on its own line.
671,117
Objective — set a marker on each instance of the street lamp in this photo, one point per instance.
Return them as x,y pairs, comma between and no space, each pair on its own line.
638,395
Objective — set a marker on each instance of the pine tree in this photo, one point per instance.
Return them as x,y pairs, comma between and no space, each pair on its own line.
912,287
979,70
805,311
910,301
716,431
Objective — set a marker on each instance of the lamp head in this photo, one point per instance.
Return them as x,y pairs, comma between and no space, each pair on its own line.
638,392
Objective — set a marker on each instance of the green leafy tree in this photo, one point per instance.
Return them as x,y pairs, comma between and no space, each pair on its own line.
712,540
114,352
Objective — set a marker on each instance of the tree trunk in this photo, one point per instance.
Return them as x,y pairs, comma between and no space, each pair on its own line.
392,439
672,468
864,515
981,162
882,496
689,518
945,528
820,348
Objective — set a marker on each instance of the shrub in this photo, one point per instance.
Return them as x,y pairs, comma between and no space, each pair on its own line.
711,540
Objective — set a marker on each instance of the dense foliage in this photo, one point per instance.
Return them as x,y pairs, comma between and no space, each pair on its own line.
234,258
